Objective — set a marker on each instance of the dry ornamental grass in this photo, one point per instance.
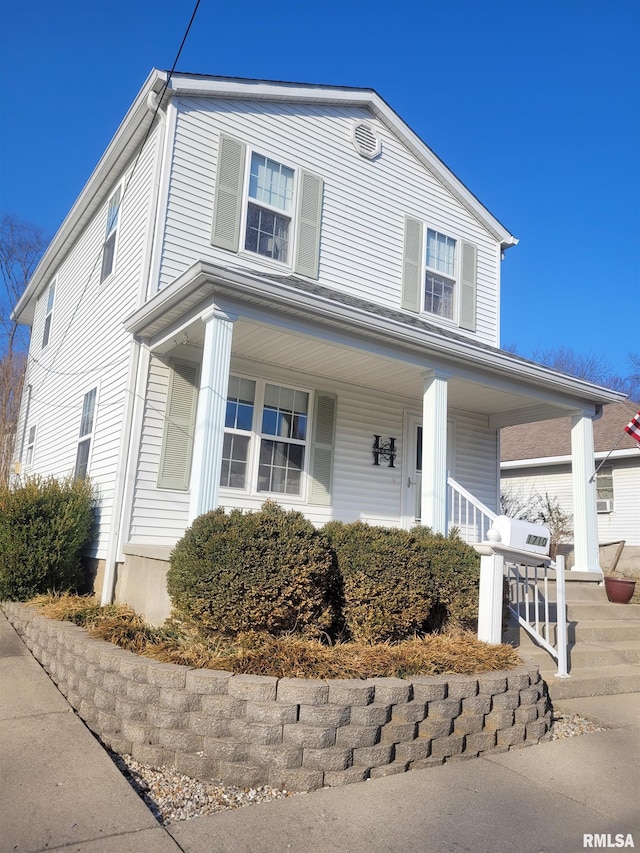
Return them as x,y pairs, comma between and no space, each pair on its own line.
287,656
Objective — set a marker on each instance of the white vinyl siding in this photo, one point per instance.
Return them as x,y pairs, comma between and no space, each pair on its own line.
364,202
96,346
621,523
359,489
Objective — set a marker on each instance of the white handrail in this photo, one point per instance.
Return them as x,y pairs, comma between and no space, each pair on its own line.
525,598
468,514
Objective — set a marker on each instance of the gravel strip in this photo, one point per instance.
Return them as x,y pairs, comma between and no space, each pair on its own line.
570,725
172,797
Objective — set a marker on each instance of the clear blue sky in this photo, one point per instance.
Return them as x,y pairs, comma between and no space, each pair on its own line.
534,104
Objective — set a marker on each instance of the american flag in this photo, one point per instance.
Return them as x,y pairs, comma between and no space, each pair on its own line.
633,427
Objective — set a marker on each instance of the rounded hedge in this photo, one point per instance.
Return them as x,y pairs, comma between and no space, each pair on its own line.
266,571
44,523
388,587
455,571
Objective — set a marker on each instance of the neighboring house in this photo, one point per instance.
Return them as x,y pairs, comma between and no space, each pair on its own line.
536,459
263,290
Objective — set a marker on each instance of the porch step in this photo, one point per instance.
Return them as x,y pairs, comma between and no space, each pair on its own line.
587,655
593,681
602,611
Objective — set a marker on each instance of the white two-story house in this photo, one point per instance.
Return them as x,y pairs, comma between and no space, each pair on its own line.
277,291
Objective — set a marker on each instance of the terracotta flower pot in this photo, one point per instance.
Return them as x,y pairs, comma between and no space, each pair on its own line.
619,590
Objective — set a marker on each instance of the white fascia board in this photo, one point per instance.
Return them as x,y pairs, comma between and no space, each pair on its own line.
543,461
502,370
368,98
125,141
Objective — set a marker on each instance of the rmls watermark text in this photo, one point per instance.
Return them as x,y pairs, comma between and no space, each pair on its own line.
603,839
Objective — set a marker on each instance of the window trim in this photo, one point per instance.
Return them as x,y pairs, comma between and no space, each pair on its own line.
454,320
255,442
112,231
88,436
30,445
49,308
293,216
605,504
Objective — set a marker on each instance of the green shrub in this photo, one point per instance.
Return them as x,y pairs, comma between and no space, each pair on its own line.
258,571
455,571
44,523
388,588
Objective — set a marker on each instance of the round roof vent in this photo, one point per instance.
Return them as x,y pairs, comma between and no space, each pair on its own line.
365,141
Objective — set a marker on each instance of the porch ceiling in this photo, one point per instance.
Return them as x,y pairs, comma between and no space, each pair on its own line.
267,344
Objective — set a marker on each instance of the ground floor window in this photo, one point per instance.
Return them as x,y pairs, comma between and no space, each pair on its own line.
266,437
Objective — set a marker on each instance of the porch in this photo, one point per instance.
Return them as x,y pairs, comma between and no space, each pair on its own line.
407,406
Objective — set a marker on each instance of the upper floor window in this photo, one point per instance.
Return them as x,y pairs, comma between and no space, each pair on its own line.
109,248
269,208
86,434
51,295
440,281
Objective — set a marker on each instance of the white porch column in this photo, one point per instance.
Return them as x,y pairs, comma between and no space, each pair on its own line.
434,451
585,517
210,416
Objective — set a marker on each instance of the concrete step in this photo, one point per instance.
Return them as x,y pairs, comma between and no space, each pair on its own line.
586,655
604,631
578,611
595,681
585,631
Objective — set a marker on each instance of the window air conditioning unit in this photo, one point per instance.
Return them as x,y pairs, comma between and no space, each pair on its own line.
604,506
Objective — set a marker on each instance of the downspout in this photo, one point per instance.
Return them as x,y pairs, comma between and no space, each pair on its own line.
126,452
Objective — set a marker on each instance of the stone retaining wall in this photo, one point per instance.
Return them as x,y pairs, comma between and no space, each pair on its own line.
293,733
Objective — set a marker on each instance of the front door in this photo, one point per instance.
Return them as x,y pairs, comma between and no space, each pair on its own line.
412,467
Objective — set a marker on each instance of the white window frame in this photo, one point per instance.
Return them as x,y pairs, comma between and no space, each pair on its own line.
605,503
86,437
255,442
32,435
292,215
455,278
48,316
112,231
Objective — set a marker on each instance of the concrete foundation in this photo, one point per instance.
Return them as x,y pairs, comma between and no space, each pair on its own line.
141,582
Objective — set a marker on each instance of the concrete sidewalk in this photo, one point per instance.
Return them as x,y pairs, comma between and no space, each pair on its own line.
61,791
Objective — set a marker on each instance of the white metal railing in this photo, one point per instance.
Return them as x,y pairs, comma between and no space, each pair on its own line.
469,515
529,602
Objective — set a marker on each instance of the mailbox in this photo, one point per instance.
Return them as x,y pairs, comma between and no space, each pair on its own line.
523,535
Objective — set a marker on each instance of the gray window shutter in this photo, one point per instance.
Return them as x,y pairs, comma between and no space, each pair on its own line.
324,430
309,218
468,287
227,207
412,265
179,425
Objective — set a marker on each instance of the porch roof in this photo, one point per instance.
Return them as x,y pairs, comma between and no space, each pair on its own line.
522,390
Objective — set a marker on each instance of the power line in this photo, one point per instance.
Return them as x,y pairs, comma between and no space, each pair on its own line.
49,368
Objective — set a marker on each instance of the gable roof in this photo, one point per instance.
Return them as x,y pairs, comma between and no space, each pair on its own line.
140,116
552,439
